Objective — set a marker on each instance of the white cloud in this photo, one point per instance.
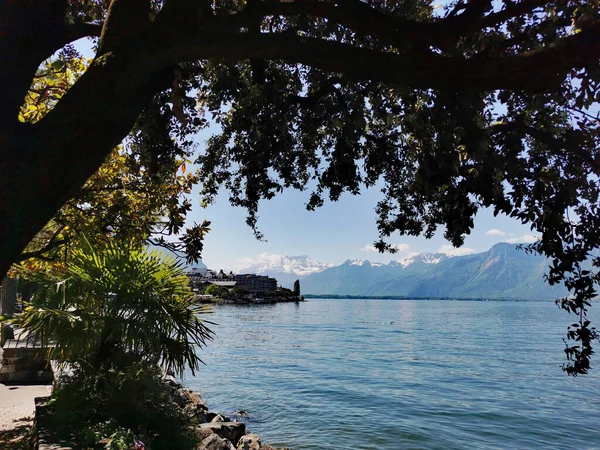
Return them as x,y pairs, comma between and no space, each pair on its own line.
494,232
263,258
369,249
400,248
527,239
453,251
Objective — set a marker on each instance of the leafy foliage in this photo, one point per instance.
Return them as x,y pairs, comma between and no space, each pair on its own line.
117,305
447,110
438,155
140,192
217,291
119,407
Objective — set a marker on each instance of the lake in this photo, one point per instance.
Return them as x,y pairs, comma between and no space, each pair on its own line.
401,374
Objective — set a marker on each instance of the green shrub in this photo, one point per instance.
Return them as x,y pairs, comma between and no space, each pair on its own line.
119,406
216,291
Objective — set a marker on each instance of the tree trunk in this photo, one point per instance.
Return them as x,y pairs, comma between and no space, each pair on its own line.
8,303
46,163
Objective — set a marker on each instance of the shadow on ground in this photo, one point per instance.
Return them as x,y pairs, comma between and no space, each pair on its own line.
16,438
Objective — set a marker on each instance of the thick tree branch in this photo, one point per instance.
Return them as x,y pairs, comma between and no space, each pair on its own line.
184,14
126,22
46,163
354,14
32,30
81,30
392,30
535,71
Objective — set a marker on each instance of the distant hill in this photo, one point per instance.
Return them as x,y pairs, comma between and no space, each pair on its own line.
504,271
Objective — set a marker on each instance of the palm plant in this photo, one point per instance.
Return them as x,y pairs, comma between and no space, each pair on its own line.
117,304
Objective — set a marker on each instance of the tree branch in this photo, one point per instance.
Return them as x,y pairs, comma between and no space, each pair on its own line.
353,14
44,164
81,30
535,71
126,21
52,243
32,30
397,31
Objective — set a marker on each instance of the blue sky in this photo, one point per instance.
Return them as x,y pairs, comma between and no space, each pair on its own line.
338,231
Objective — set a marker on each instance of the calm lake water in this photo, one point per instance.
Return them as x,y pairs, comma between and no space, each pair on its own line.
384,374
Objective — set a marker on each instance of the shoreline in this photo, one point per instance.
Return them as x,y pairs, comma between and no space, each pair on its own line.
244,300
216,431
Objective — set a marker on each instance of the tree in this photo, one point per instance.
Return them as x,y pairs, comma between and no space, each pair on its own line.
482,104
8,300
216,291
115,306
297,288
136,194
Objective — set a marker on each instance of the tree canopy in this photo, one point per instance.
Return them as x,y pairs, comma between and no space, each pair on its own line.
448,108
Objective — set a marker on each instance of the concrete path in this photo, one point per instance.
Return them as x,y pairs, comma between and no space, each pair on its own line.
16,402
16,411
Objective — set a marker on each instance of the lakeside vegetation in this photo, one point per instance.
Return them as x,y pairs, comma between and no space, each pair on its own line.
241,295
117,320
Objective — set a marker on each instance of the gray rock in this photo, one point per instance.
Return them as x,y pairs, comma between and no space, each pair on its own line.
249,442
194,398
171,381
210,415
220,418
202,433
214,442
231,431
194,405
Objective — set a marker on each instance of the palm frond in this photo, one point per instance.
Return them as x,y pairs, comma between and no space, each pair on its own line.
118,299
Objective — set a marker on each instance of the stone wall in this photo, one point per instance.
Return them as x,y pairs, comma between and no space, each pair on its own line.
24,365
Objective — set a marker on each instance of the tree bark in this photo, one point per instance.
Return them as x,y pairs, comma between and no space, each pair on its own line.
8,303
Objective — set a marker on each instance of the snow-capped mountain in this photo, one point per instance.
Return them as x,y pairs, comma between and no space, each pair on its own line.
286,269
503,271
425,258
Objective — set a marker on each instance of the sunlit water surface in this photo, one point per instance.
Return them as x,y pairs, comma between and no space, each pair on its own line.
383,374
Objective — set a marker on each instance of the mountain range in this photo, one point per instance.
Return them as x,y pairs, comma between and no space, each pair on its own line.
286,269
504,271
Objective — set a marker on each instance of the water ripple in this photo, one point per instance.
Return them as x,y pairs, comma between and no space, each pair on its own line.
335,374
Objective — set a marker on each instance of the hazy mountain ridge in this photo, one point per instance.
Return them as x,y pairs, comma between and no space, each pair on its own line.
503,271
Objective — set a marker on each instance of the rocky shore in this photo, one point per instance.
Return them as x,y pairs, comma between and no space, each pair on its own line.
216,431
213,430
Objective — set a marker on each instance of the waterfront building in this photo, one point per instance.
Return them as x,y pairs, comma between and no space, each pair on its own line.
256,283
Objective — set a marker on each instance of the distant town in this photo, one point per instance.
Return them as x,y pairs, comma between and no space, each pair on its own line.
253,283
221,287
